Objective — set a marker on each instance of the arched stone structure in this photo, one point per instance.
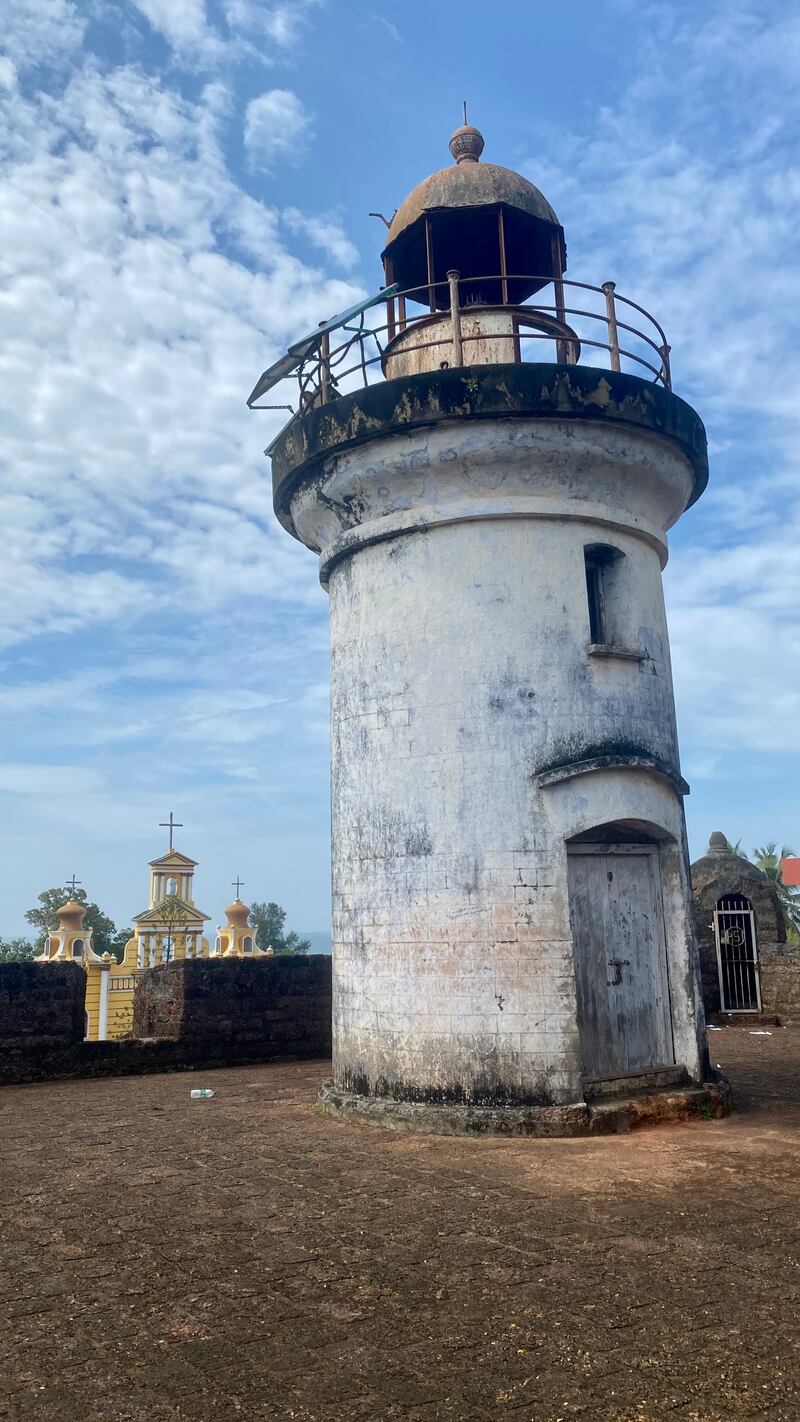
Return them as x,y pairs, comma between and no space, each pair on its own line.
722,874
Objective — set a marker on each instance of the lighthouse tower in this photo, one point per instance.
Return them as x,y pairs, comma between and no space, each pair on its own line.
487,458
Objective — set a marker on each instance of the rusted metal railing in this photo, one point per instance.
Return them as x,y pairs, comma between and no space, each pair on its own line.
455,318
609,287
348,352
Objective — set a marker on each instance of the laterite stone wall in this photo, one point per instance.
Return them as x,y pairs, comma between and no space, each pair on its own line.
41,1005
281,1005
188,1016
780,980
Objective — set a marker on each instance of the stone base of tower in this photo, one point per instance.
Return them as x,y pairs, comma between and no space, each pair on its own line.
650,1105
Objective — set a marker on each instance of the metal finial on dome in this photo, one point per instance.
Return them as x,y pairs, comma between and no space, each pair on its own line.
467,143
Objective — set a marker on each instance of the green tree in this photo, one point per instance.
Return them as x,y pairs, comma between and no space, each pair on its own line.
268,920
119,941
173,914
16,950
106,939
768,860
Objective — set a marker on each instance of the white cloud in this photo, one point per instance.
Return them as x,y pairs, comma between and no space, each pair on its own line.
142,288
185,26
277,126
686,193
232,725
735,647
47,781
281,25
131,339
250,29
387,27
324,230
40,31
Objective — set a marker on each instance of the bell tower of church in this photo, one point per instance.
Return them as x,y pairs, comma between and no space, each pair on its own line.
237,938
70,940
486,459
171,927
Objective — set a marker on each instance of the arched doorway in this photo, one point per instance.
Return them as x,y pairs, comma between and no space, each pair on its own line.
737,954
620,951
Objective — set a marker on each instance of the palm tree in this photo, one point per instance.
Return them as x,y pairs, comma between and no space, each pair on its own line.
768,860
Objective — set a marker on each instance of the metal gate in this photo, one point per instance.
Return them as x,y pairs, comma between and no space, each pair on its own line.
737,956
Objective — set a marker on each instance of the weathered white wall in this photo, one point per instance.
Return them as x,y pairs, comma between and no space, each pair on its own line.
460,669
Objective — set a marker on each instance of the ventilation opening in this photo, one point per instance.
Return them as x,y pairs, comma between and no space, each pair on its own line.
602,568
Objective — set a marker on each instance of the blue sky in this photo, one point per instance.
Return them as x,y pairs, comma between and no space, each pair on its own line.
184,189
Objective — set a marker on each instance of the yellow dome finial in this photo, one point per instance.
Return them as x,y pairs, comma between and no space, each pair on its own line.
70,915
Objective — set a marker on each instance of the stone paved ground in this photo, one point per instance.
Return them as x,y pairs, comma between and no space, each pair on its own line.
244,1258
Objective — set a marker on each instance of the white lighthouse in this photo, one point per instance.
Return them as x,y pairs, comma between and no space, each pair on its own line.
487,458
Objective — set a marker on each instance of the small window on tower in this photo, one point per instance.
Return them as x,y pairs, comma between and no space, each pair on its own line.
247,945
602,565
77,948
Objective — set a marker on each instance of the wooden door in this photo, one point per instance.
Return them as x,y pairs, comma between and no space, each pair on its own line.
620,958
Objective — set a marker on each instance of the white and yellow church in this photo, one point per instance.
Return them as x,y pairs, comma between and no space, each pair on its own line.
170,929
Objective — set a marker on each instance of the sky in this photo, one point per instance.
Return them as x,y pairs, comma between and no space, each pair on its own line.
184,189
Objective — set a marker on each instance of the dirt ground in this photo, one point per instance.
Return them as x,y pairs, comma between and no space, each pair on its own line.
246,1258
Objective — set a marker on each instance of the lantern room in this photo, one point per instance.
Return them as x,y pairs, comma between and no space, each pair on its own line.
486,222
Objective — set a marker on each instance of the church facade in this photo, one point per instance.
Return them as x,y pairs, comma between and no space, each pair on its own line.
169,930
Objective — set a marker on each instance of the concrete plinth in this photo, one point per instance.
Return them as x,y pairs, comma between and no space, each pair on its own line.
707,1101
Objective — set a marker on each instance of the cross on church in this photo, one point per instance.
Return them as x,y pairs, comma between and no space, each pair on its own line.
170,824
238,884
72,884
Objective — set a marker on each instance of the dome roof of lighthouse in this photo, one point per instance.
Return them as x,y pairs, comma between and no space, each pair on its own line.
486,222
470,183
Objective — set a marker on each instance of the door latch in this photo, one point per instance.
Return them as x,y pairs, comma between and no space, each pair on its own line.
617,964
